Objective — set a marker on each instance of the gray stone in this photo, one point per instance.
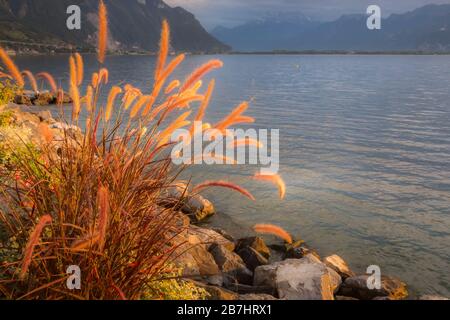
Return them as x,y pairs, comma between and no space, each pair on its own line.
297,279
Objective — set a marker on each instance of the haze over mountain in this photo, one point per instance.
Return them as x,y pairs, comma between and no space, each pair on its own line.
133,24
426,29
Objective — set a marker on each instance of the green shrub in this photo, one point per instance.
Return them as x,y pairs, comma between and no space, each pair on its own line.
8,92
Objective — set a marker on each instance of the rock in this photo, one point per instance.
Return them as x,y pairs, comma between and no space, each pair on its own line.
210,237
356,287
65,99
335,279
338,264
44,99
252,258
231,265
45,115
256,243
198,208
297,279
300,252
432,297
197,262
23,99
344,298
254,296
225,234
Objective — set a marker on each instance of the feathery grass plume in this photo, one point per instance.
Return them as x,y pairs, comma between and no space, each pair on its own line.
50,80
176,124
103,76
172,86
223,184
276,180
80,68
232,117
76,102
173,64
163,49
94,80
115,91
12,68
73,71
148,106
32,242
59,96
273,230
32,79
205,103
200,72
138,105
103,208
45,132
102,31
89,97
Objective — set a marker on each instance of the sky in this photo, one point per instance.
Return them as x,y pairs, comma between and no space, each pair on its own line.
212,13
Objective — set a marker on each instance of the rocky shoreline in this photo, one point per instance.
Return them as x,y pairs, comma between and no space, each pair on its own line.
245,268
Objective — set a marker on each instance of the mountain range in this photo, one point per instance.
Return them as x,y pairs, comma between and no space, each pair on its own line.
133,25
424,29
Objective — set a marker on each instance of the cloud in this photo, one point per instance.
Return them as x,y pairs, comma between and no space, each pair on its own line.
233,12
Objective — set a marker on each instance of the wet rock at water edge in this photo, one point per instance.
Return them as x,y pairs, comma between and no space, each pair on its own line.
256,243
339,265
198,208
357,287
209,237
298,279
252,258
231,265
44,99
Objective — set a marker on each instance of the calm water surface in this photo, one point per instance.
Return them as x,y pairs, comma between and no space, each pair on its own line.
365,152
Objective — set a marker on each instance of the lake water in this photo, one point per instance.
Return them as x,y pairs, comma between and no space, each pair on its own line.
364,151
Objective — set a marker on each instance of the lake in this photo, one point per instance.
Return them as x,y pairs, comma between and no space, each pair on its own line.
364,151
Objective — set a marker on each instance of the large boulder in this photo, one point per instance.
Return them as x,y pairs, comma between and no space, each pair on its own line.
256,243
196,262
357,287
231,265
210,237
339,265
198,208
298,279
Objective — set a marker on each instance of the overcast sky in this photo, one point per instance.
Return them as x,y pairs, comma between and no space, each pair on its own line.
233,12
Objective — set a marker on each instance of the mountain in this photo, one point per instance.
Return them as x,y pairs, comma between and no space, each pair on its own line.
424,29
133,24
266,34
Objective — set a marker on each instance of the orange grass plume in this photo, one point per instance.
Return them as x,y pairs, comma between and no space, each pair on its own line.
276,180
102,31
12,68
273,230
32,242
